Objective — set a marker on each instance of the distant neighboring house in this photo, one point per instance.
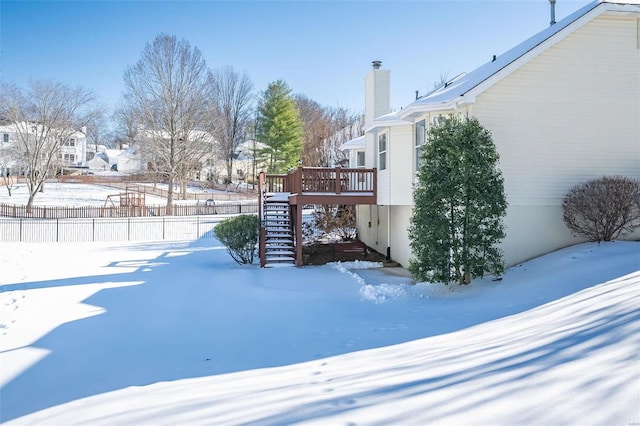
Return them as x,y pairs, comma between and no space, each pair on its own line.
111,155
130,161
72,151
563,107
98,162
355,152
215,168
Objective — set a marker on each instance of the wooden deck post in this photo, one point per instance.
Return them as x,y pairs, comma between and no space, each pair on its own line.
298,212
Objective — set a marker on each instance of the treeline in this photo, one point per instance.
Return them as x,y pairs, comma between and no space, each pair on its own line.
178,115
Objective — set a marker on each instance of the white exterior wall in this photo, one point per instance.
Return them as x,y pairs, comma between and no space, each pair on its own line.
395,183
79,150
378,236
377,94
400,166
372,227
568,115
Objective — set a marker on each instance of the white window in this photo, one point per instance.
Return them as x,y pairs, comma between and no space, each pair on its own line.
382,151
420,140
70,142
5,137
360,159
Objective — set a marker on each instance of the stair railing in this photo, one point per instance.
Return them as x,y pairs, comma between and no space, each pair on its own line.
262,246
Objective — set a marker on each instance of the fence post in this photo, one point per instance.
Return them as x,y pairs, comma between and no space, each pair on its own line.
197,226
128,228
93,229
20,237
163,220
57,230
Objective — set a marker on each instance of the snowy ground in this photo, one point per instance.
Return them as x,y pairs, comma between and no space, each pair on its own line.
77,194
68,195
176,333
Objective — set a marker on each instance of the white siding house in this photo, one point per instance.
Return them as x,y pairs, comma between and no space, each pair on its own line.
72,151
563,107
355,152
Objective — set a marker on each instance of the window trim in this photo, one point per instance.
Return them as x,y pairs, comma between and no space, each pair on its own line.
382,154
417,147
360,155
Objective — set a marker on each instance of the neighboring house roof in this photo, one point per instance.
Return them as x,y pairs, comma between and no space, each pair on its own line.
357,143
388,120
245,149
97,162
16,127
193,135
465,87
112,155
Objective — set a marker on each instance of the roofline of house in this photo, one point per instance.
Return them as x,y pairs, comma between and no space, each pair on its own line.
469,96
390,120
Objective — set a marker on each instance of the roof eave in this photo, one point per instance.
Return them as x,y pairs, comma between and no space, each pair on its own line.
374,125
417,109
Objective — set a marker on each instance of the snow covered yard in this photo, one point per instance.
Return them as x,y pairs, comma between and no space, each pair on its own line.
67,195
176,333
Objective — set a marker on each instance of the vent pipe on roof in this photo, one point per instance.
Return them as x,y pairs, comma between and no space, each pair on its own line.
376,64
417,94
552,4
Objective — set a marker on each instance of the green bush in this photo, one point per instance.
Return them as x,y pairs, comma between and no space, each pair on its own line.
240,235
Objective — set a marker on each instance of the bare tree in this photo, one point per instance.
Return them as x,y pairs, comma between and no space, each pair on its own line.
43,117
96,128
167,92
316,128
325,129
231,98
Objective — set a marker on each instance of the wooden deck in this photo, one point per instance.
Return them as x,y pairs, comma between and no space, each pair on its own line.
312,185
320,185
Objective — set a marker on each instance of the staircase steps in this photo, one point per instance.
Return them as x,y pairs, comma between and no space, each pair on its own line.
279,240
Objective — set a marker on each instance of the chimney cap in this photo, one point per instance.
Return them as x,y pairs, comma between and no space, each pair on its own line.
376,64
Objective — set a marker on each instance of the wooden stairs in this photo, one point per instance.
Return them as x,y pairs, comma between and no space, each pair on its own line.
282,197
279,241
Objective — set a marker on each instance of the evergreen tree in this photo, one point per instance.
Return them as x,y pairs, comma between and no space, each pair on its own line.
459,205
279,127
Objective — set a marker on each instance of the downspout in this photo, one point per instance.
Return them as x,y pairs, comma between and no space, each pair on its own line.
388,233
388,257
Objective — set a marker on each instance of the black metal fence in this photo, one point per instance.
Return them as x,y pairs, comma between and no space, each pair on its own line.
58,212
108,229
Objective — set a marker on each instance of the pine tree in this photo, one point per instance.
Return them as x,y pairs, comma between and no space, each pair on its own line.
279,127
459,205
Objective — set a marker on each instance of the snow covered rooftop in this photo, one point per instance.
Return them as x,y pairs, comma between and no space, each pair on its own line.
463,85
357,143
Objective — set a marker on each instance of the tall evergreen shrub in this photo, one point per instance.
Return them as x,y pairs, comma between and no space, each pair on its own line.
459,205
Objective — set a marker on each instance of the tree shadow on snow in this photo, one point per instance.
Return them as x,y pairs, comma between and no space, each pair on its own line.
198,314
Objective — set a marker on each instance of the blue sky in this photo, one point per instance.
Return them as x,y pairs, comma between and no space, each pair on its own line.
322,49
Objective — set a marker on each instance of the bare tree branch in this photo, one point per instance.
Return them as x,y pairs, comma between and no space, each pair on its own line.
42,118
167,92
231,99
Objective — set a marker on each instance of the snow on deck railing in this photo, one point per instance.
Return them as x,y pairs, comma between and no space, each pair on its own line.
325,180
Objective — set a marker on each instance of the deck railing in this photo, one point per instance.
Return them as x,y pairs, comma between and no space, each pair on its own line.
323,180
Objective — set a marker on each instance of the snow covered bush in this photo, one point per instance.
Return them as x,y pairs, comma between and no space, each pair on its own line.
240,235
603,209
